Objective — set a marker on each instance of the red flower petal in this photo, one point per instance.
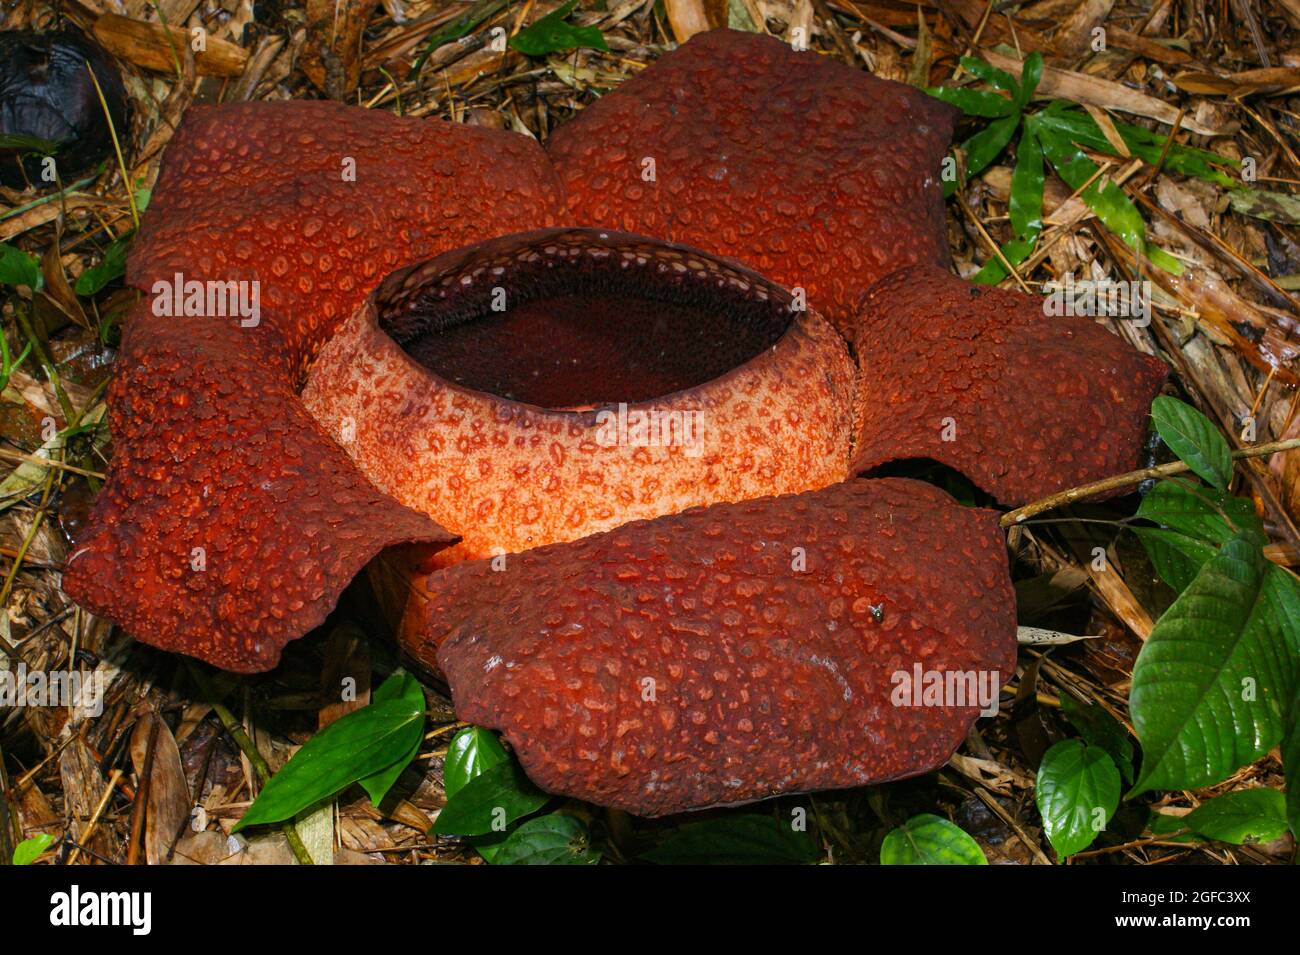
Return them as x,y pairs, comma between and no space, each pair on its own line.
216,462
814,173
319,201
732,652
983,381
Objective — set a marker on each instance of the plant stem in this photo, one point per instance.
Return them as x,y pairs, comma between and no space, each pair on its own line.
1011,518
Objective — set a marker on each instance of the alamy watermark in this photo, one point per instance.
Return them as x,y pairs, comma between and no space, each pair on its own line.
921,687
62,688
179,296
653,428
1102,297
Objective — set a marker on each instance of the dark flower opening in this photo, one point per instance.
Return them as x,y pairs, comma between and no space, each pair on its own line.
580,318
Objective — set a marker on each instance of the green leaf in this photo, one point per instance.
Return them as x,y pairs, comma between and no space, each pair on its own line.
29,850
1258,815
1291,760
111,267
1176,557
28,144
553,34
973,102
473,751
489,802
1103,197
1098,728
19,268
1075,125
736,839
1077,792
1026,207
1195,439
1200,512
400,686
556,839
997,78
357,745
986,145
930,840
1212,680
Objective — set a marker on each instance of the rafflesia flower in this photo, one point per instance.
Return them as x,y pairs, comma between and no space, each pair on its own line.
616,395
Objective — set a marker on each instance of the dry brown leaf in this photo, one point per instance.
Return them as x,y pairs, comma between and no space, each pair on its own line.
147,45
168,806
1273,81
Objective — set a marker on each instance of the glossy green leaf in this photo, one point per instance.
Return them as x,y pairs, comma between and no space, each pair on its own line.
351,748
1077,792
29,850
1026,207
1195,439
974,102
1254,815
556,839
19,268
930,840
1200,512
736,839
554,34
1176,557
112,266
997,78
1076,126
400,686
489,802
1107,200
1212,681
472,751
1098,728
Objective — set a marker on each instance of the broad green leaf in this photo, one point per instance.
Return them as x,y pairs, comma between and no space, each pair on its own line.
1177,558
1258,815
1212,681
29,850
1195,439
1200,512
1077,792
111,267
554,34
489,802
472,751
1098,728
549,840
19,268
353,747
930,840
400,686
1103,197
738,839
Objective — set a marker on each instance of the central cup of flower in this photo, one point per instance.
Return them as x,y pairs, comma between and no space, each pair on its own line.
548,385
